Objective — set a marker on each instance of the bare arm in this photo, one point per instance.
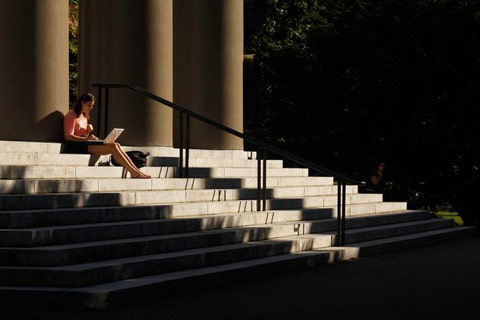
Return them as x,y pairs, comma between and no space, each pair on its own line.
72,137
90,134
69,130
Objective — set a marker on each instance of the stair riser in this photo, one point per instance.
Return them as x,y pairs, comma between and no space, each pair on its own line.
171,152
102,299
52,257
27,238
52,278
412,243
127,249
84,172
56,148
159,247
108,185
27,219
44,218
48,159
77,200
398,231
144,290
196,260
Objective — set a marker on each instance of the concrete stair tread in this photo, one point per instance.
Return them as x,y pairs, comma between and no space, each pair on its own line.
173,275
43,186
159,256
182,183
66,216
50,235
402,224
97,168
413,236
113,244
350,219
80,275
133,222
213,216
324,191
13,212
56,235
243,229
97,272
9,202
152,197
56,148
87,155
163,204
55,172
116,293
41,158
97,296
370,229
195,272
151,238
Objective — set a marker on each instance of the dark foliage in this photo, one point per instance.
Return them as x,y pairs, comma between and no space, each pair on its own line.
73,49
349,83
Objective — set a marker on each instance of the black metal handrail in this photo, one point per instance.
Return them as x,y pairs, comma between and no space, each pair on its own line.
263,147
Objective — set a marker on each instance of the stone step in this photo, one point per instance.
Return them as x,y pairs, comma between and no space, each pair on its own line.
52,217
128,198
112,270
58,255
53,159
84,172
93,273
48,147
409,240
129,229
67,254
381,232
120,293
138,228
36,186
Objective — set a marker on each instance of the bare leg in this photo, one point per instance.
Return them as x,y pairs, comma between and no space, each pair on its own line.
119,156
125,155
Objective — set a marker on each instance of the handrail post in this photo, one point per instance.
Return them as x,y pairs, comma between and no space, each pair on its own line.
187,146
344,196
264,200
105,127
180,158
339,213
259,177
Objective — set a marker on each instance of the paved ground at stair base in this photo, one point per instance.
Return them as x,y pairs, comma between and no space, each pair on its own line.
436,281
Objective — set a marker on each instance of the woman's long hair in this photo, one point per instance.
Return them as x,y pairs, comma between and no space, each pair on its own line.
85,97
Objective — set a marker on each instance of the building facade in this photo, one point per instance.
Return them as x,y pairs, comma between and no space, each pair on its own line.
186,51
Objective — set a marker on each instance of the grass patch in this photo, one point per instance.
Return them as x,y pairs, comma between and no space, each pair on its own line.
451,215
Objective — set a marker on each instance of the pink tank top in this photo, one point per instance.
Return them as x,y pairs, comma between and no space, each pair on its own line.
73,125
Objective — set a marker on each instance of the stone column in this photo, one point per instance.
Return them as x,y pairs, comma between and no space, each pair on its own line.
130,41
182,60
33,69
212,84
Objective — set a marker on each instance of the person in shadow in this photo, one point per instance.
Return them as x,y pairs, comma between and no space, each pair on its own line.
376,181
78,133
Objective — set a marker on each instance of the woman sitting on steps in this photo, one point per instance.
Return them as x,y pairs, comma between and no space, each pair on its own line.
78,131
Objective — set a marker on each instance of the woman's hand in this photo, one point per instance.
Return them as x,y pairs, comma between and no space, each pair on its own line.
92,137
